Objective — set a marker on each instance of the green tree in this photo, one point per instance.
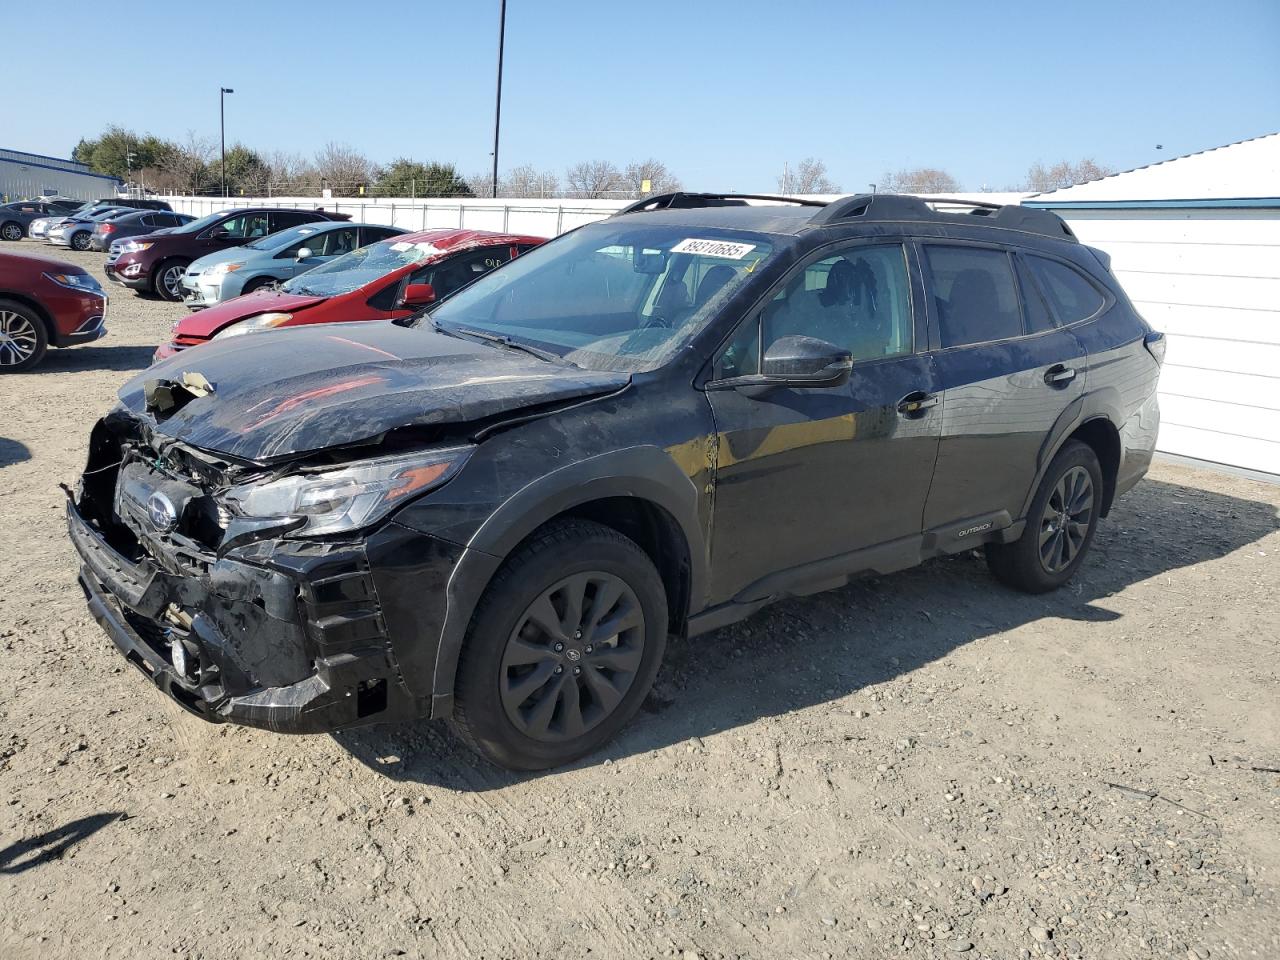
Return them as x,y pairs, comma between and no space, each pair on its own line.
409,178
247,172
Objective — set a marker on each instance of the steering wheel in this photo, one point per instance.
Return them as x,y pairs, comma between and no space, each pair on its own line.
660,323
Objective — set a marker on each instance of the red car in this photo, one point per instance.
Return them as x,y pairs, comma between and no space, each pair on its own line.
383,281
45,303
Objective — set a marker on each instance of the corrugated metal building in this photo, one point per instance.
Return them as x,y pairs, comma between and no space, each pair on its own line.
26,175
1196,243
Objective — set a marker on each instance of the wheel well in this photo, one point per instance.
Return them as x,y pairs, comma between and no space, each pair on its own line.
1102,436
39,311
658,534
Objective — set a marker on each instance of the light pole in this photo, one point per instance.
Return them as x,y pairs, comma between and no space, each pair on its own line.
497,112
222,122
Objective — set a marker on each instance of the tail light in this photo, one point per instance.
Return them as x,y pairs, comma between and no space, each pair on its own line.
1155,344
107,228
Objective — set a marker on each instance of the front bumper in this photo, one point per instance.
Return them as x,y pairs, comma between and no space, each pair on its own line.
294,648
199,292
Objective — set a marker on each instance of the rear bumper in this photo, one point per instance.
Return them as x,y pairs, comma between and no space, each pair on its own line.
328,665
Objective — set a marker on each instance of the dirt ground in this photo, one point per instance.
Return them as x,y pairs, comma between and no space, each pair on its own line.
925,765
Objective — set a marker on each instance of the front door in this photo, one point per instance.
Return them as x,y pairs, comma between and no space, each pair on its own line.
811,475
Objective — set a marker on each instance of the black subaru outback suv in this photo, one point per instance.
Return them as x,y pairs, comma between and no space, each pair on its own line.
499,511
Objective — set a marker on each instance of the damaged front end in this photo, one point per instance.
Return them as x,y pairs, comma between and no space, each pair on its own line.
193,565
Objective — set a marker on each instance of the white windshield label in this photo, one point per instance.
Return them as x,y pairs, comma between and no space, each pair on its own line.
725,249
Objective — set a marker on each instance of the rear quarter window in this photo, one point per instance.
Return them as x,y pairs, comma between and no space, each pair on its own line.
1071,296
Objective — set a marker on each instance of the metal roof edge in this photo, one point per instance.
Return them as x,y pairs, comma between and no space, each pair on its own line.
1221,203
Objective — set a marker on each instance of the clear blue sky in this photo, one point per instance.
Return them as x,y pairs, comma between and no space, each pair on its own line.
723,91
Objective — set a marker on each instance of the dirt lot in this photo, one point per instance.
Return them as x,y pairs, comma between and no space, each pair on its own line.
918,766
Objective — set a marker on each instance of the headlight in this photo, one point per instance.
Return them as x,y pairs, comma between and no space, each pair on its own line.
263,321
225,267
335,501
134,247
76,281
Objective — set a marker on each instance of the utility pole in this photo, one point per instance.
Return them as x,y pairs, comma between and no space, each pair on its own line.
222,123
497,112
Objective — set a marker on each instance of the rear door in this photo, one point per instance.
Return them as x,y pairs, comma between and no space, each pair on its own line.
824,476
1008,372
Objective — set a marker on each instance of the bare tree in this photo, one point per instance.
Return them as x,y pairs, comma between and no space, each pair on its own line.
661,180
343,168
528,181
292,173
919,180
807,176
592,179
1066,173
188,163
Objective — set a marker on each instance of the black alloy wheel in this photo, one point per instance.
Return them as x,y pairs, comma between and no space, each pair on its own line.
1065,521
572,657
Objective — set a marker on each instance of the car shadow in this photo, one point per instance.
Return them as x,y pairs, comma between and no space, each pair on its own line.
23,855
79,359
801,652
13,451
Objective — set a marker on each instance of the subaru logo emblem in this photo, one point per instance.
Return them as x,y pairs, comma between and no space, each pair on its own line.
161,511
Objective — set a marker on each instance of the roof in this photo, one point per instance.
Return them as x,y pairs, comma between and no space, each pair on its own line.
794,216
1245,173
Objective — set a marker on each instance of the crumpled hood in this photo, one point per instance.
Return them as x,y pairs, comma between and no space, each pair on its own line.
292,391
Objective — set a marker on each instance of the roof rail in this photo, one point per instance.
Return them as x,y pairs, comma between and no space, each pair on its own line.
891,207
686,201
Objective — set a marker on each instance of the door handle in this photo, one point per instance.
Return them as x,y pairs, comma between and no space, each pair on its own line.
915,404
1059,375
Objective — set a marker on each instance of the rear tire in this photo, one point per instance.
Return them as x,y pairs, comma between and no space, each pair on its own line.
80,240
562,648
23,337
167,280
1060,524
12,231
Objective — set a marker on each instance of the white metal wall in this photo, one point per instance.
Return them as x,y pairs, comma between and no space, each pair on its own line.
1210,280
539,218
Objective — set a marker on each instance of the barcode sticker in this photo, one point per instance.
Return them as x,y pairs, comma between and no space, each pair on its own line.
726,249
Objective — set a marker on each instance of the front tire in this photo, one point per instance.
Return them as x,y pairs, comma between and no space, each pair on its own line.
80,240
23,338
562,649
253,286
1060,524
11,231
167,282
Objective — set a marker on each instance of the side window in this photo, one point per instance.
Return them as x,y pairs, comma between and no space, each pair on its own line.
1034,308
333,243
457,272
741,355
246,226
1070,294
284,219
370,235
975,295
858,298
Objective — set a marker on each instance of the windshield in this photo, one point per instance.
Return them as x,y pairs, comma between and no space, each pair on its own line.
353,270
610,296
274,241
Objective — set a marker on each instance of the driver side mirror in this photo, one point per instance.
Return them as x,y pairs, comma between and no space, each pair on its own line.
304,253
798,363
416,295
